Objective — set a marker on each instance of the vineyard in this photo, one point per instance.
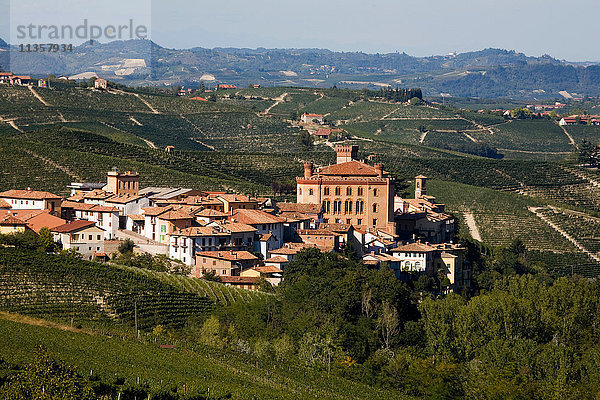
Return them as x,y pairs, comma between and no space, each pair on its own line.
66,289
220,374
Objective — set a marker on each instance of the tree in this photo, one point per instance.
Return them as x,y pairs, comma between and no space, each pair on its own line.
305,139
46,240
388,323
47,379
126,246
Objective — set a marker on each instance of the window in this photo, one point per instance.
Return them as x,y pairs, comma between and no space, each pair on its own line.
163,228
326,191
359,221
300,191
337,207
90,237
360,207
375,192
360,191
348,221
337,220
214,263
348,191
97,237
338,191
348,207
310,192
374,207
374,221
326,207
325,220
224,272
264,227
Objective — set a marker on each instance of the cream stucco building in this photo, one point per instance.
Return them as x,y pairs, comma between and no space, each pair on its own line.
351,191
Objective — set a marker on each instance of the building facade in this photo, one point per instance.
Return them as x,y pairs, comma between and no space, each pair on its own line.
350,191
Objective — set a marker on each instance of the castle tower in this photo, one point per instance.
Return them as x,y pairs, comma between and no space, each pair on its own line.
346,153
308,170
420,186
122,183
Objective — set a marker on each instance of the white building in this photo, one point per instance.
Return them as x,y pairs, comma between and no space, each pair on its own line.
82,236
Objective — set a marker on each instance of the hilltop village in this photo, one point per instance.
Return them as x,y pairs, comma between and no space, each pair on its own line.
349,207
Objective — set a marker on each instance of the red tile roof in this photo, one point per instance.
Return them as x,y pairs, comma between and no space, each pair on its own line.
4,204
9,220
228,255
73,226
240,280
307,208
28,194
255,217
350,168
414,248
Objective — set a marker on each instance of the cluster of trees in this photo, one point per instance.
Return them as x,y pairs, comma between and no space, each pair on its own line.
478,149
400,95
29,240
589,154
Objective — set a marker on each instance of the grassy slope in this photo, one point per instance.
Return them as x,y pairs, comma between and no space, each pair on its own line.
223,372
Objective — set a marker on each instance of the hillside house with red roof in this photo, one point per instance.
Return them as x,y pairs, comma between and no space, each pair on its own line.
82,236
32,200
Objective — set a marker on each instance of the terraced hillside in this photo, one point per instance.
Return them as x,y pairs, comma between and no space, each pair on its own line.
246,142
75,291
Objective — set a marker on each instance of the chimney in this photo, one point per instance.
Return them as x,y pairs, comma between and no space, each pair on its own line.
379,169
308,170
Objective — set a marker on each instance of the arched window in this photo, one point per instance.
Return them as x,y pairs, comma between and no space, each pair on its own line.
348,191
337,191
310,192
375,192
360,207
348,207
374,207
337,207
326,206
326,191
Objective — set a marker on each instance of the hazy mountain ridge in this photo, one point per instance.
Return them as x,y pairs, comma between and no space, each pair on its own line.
484,73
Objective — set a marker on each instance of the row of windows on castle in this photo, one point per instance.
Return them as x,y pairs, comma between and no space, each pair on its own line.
359,207
338,191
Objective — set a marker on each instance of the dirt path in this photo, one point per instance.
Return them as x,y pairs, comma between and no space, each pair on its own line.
197,130
22,319
64,169
470,221
536,211
278,100
135,121
471,138
571,140
14,125
154,110
38,96
387,115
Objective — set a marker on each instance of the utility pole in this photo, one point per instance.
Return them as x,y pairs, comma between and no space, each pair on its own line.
137,333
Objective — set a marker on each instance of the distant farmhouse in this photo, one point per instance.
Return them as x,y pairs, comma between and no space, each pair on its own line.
308,118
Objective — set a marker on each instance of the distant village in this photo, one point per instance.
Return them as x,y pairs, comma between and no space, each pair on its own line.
347,206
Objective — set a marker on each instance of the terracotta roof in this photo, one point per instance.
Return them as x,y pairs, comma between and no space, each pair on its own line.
268,269
413,247
4,204
28,194
124,198
255,217
73,226
97,195
236,198
43,219
9,220
350,168
236,227
308,208
87,207
155,211
207,212
277,259
228,255
265,236
136,217
315,232
195,231
344,228
240,280
175,215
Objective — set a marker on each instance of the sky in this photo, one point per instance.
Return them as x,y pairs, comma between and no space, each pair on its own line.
417,27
